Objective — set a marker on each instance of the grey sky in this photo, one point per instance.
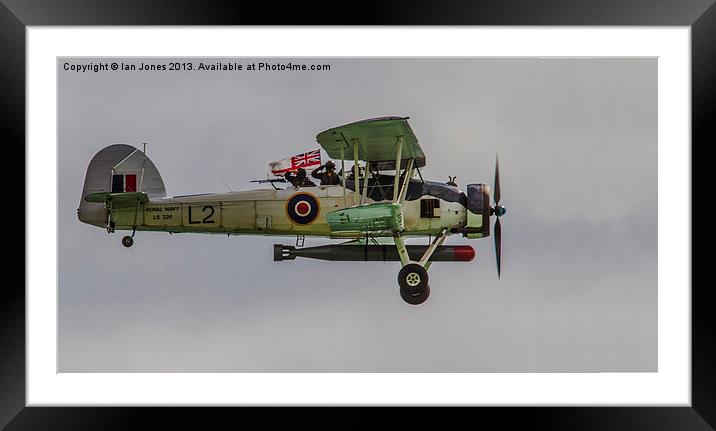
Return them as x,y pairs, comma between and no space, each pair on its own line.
577,140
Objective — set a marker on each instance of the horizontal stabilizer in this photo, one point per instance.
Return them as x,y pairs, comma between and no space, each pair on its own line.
118,199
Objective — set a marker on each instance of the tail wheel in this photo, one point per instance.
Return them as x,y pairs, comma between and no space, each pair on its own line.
127,241
415,299
413,279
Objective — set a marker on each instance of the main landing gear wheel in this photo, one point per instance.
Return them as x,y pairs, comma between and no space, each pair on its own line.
413,281
415,299
127,241
413,278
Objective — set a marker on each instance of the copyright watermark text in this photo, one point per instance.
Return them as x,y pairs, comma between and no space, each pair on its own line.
194,66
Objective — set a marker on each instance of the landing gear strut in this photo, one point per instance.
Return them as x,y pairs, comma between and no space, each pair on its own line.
413,276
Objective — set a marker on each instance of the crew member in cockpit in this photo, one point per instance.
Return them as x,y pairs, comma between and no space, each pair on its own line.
300,179
327,177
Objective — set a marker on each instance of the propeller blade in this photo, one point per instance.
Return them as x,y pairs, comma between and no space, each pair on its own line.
496,195
498,244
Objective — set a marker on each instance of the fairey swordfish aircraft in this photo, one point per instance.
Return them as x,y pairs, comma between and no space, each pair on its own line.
373,210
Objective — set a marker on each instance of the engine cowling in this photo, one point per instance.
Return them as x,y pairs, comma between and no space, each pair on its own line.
478,211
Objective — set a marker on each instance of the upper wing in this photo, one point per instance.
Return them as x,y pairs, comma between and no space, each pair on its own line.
376,139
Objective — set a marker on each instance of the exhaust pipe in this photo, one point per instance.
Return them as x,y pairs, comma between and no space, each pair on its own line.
372,253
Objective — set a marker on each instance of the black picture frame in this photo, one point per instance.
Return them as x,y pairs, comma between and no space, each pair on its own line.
700,16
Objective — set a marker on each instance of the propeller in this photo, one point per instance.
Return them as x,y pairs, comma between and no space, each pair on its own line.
498,210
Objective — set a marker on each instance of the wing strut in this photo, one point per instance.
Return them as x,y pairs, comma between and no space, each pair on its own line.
363,198
397,169
356,170
376,176
343,177
406,180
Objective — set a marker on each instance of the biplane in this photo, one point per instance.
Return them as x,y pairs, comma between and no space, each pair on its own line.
375,206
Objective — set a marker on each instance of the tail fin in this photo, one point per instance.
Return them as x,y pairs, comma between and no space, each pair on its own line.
118,168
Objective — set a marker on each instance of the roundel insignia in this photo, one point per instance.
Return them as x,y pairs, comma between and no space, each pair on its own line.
302,208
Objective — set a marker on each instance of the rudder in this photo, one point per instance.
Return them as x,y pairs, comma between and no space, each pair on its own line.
118,168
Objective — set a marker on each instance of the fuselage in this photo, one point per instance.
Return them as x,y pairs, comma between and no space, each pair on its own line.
289,211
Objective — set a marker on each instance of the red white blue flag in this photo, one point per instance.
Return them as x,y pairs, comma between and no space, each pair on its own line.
307,161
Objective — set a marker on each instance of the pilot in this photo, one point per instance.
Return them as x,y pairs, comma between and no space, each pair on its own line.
329,177
300,179
351,173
